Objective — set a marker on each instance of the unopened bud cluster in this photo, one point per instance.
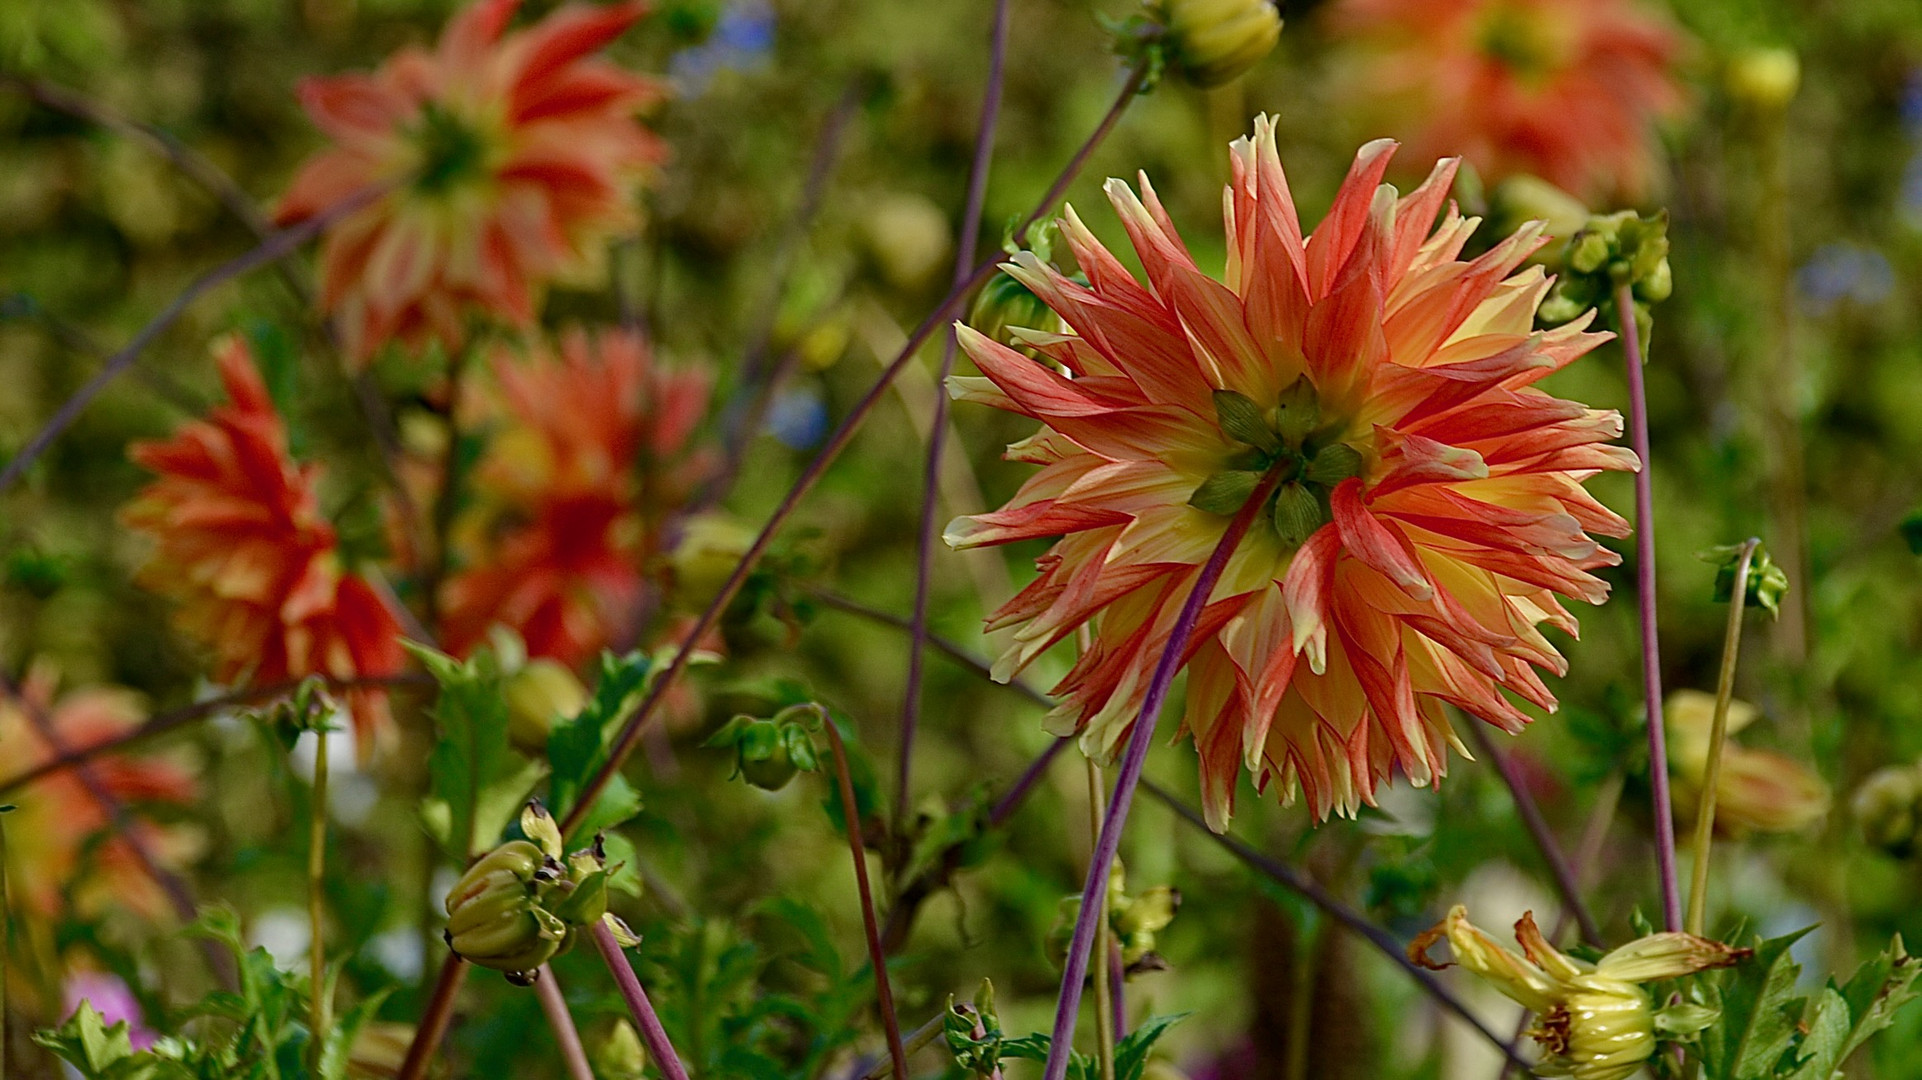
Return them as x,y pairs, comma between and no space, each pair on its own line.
522,903
1767,583
1611,251
1133,920
772,751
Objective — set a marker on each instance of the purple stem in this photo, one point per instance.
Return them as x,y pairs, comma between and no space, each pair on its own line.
1645,593
566,1036
938,428
1008,803
1531,815
877,956
653,1035
270,250
433,1022
630,732
1068,1009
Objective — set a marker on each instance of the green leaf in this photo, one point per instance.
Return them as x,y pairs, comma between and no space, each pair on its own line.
1827,1025
578,748
1131,1053
338,1045
1759,1014
1242,421
473,770
1879,988
87,1043
1225,492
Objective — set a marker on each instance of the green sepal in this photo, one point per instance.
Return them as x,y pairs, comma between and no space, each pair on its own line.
1241,420
1334,464
1226,492
1298,513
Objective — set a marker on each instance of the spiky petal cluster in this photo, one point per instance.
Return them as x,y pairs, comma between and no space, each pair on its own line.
1562,89
508,158
62,842
571,495
240,542
1431,506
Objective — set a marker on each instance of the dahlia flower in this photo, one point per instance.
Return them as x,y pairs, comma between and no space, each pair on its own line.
1430,506
571,494
51,837
1756,790
508,158
241,543
1562,89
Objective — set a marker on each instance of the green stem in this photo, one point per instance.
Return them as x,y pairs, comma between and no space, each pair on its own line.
1718,735
316,899
6,939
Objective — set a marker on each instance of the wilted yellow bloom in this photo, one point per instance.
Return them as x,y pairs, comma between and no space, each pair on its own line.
1593,1021
1758,790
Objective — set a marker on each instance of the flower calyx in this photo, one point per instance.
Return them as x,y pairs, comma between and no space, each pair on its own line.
521,904
769,752
1767,583
1612,250
1593,1021
1290,441
1133,919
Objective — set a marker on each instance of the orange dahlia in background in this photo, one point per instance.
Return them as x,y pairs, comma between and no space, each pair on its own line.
1430,506
52,856
1562,89
593,451
511,157
240,542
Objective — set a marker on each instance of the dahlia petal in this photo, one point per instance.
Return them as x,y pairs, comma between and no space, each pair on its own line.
1327,251
1378,545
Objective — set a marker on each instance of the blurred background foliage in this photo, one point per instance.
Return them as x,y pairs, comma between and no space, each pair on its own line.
750,924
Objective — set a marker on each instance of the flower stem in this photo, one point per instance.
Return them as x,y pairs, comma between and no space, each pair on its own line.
1104,1004
1312,891
275,247
938,427
630,733
433,1022
548,989
1174,653
1645,593
1718,736
6,938
1544,837
851,817
653,1035
316,898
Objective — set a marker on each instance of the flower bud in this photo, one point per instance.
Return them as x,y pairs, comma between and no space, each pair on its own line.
1213,41
1004,305
379,1050
1610,251
621,1056
1767,582
541,692
710,547
1765,78
768,753
494,918
1885,807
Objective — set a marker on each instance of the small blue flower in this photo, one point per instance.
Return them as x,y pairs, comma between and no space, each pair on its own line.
1843,271
741,41
798,417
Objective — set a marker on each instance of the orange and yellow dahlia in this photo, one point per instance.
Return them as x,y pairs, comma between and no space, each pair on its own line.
52,857
572,493
1561,89
241,543
508,158
1430,506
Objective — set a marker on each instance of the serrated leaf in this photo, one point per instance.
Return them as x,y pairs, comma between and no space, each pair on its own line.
1827,1026
473,769
1759,1014
578,747
1131,1053
1878,989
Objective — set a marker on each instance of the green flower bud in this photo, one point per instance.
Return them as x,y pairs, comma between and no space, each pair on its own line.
494,917
540,693
1610,251
1213,41
768,753
1767,582
1004,305
621,1056
1764,78
1886,806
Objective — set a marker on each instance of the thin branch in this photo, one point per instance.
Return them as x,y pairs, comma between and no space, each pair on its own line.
659,1050
1718,735
1544,837
914,1042
1310,890
1174,653
630,733
566,1035
317,899
1645,593
162,723
273,248
433,1023
877,956
938,427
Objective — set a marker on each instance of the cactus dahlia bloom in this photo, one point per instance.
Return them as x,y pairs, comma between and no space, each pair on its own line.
1430,506
51,838
510,156
1593,1021
571,494
240,542
1562,89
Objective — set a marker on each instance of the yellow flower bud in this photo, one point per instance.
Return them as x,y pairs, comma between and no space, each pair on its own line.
540,693
711,546
621,1056
1593,1021
1765,77
1885,806
1213,41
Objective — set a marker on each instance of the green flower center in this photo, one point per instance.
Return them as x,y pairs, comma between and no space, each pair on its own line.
451,151
1292,441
